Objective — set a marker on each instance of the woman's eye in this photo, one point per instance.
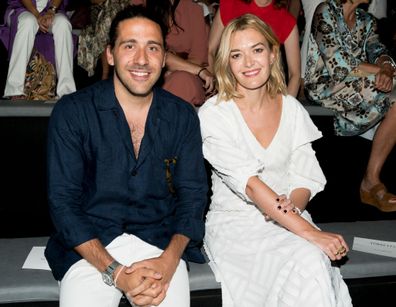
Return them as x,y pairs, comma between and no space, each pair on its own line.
258,50
235,56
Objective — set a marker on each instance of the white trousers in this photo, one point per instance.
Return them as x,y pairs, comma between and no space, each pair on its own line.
22,49
83,285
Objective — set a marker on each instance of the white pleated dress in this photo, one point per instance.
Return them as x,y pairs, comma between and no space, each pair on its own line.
260,263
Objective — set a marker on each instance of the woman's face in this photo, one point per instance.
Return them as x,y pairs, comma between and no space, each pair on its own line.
250,59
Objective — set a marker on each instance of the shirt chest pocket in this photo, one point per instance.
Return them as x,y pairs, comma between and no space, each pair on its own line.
163,175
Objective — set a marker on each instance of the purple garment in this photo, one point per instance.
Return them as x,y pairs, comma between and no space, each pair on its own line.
44,42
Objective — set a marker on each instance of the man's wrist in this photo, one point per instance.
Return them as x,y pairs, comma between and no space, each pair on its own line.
108,273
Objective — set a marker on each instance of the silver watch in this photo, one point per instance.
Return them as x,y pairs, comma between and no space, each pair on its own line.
107,275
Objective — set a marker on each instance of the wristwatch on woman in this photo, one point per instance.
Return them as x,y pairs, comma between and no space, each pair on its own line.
107,275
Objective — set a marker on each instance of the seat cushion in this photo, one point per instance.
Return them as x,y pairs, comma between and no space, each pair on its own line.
26,285
360,264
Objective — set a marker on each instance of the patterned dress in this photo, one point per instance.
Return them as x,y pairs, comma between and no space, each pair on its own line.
259,263
334,51
94,38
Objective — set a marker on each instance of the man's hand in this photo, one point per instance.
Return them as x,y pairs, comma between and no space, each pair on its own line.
140,285
166,265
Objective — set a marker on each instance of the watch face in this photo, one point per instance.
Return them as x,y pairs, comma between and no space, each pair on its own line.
107,279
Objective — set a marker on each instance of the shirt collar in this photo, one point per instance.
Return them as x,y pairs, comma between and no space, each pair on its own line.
107,100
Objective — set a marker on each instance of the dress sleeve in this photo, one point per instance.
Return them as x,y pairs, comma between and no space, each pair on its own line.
229,159
374,48
336,58
304,170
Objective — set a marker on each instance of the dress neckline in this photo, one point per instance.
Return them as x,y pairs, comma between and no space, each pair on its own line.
250,132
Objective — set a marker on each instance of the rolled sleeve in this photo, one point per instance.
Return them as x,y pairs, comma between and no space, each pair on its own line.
304,170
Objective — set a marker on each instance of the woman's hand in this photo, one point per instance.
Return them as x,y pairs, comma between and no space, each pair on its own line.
332,244
284,205
209,81
384,80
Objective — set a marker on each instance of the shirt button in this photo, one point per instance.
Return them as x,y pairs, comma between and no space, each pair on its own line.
134,173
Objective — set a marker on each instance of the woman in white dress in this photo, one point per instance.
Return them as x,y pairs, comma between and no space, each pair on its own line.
258,141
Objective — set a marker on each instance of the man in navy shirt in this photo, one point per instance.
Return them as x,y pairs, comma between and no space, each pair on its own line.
126,180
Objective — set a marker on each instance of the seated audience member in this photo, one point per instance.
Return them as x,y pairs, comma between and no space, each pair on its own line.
127,181
262,244
377,8
274,13
93,39
27,18
350,71
187,49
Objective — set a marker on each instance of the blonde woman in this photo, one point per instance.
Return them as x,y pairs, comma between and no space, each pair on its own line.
262,244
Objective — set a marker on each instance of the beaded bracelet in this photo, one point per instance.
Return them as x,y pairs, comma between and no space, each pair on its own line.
391,63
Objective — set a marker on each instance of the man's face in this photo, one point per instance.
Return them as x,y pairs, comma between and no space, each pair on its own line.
138,56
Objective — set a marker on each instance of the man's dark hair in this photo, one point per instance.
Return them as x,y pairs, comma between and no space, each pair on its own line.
134,11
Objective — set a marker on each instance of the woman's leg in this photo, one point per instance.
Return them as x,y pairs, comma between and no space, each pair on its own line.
383,143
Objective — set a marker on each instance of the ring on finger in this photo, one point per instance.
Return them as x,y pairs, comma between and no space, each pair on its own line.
340,251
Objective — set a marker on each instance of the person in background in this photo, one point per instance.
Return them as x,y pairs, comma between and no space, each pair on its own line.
309,7
186,75
27,18
93,39
274,13
351,72
126,179
262,244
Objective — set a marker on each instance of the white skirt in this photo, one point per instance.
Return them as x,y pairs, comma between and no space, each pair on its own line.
260,263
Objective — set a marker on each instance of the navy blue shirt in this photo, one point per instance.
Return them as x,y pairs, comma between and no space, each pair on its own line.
98,189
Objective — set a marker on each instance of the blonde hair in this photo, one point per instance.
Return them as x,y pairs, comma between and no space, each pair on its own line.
226,82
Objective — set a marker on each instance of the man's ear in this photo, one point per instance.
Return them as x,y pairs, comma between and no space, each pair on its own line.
109,55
